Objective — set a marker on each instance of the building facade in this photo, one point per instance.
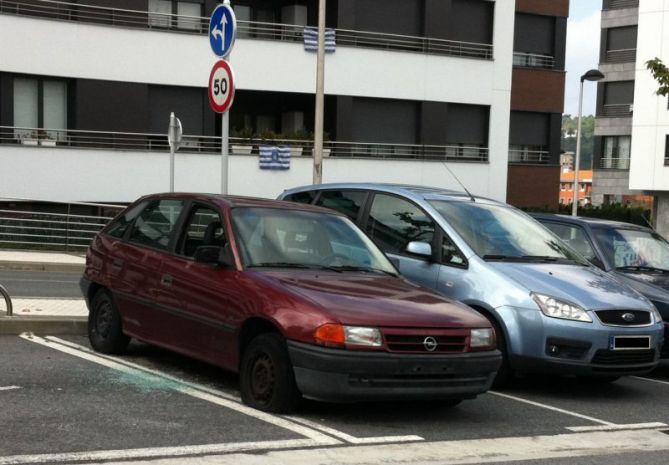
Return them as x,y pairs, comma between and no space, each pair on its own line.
584,187
86,91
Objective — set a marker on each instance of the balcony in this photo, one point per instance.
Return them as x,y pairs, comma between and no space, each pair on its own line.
614,163
619,4
618,110
65,11
533,60
195,144
529,157
621,56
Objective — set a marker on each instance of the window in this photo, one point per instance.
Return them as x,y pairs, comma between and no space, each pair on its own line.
394,222
204,228
617,146
154,226
40,103
301,197
574,237
347,202
450,255
173,13
119,226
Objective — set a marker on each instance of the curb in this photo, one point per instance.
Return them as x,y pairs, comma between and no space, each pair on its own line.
42,266
15,325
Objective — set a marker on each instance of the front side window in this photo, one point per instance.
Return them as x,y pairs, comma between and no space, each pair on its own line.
394,222
270,237
574,237
631,248
120,225
203,228
155,225
347,202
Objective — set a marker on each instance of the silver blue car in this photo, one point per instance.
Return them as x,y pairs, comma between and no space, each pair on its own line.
553,311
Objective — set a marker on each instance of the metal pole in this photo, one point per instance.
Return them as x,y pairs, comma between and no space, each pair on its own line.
172,130
577,157
320,84
225,135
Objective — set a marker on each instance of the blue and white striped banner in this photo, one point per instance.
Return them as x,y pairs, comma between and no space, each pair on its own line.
274,158
311,39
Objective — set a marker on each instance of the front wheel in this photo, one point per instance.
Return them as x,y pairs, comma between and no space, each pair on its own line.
105,331
266,377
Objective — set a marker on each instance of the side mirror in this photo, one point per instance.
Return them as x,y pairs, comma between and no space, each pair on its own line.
419,248
213,255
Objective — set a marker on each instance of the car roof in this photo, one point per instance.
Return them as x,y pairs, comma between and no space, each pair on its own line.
583,220
233,201
408,190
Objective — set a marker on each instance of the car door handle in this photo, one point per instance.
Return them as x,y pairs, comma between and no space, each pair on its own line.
166,280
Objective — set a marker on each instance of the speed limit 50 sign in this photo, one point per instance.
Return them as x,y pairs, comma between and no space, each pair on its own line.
221,87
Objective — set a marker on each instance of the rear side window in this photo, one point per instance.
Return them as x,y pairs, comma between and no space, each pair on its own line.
154,226
347,202
301,197
120,225
394,222
574,237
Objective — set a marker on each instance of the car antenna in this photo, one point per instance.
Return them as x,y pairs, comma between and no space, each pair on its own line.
459,182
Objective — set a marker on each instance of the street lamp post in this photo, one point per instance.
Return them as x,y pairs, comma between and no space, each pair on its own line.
592,75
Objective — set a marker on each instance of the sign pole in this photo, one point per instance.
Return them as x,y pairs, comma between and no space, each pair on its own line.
174,132
225,132
320,81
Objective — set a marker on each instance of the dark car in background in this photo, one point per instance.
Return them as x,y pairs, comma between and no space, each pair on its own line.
633,254
293,297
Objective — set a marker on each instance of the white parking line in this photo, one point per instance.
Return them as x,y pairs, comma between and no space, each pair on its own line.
550,407
353,439
653,380
655,425
9,388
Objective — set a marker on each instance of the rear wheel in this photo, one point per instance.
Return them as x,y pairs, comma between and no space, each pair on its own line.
105,331
266,377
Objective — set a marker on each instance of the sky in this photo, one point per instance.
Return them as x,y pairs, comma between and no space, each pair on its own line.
583,32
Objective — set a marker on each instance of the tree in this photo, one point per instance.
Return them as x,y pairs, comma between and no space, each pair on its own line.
661,74
568,142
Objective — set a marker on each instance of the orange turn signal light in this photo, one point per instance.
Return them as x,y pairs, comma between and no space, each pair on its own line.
330,334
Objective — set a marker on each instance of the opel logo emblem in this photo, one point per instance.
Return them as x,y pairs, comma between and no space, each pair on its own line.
430,344
629,317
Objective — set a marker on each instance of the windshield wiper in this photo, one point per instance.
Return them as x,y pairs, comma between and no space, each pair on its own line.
543,258
364,269
290,265
500,257
641,268
526,258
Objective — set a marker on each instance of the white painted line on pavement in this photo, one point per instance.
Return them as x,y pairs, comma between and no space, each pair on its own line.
154,452
653,380
654,425
9,388
353,439
550,407
191,389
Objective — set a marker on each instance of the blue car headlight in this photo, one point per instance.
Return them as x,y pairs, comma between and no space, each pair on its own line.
556,308
657,318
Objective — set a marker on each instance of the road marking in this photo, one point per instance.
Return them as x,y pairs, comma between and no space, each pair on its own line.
617,427
191,389
353,439
550,407
653,380
9,388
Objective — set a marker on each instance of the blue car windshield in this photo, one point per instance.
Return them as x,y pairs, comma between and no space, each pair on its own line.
497,232
630,248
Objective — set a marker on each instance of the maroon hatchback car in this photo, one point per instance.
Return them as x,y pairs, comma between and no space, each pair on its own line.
293,297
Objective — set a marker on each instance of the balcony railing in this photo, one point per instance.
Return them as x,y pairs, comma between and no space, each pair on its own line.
530,157
614,163
666,162
99,140
627,55
619,110
66,11
618,4
533,60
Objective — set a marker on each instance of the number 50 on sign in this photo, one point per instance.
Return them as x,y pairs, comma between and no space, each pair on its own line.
221,87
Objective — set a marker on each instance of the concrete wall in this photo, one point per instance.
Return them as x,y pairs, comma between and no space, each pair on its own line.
610,182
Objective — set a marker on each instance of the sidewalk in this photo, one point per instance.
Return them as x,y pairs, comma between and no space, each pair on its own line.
43,315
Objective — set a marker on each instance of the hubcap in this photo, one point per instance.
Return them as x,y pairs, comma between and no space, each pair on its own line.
262,378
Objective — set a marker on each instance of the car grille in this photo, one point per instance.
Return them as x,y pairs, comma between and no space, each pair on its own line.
627,357
615,317
413,341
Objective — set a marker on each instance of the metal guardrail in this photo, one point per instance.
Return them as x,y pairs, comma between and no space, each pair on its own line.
51,230
618,4
627,55
614,163
98,140
533,60
68,11
619,110
533,157
8,300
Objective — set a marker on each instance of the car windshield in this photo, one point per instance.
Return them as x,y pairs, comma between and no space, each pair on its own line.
281,238
631,248
497,232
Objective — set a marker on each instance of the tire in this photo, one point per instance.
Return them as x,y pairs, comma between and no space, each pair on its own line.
266,377
505,375
105,331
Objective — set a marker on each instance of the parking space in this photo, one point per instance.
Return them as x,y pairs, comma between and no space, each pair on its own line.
75,405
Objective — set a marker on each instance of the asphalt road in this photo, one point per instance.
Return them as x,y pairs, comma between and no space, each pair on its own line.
41,283
63,403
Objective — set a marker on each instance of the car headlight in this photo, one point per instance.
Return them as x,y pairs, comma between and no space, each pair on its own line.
657,317
332,334
556,308
482,338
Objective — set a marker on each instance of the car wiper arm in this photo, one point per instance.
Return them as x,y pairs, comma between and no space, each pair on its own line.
282,265
365,269
543,258
641,268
